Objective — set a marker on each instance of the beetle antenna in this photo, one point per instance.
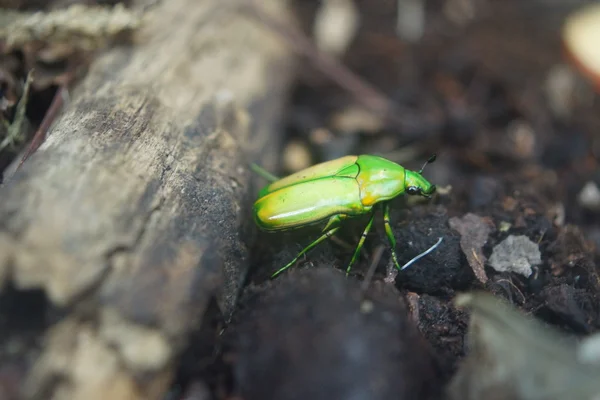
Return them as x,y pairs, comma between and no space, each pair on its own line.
429,161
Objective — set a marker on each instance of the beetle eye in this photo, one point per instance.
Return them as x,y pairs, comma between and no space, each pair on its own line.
412,190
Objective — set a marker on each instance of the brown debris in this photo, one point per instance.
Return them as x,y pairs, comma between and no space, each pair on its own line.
474,232
571,249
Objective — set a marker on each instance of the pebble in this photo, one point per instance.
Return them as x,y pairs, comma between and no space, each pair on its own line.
515,254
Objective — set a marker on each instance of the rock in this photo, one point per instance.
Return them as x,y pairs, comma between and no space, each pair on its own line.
589,197
516,254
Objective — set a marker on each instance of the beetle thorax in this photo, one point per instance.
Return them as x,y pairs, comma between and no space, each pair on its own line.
379,180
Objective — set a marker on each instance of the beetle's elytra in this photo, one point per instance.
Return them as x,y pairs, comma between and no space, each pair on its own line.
335,190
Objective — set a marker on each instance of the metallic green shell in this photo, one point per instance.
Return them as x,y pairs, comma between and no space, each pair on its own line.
349,186
308,203
322,170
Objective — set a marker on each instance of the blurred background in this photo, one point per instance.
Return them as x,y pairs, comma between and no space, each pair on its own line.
505,92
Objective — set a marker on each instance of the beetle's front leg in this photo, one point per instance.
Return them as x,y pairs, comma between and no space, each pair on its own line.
390,233
333,223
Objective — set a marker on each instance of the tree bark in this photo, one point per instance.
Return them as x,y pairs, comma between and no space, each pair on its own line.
135,212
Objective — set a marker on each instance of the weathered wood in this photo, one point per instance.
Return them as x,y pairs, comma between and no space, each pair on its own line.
132,214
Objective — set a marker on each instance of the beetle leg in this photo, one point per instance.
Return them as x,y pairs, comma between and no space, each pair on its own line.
390,233
333,221
263,173
361,242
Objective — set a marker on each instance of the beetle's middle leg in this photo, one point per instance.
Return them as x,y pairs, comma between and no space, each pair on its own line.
331,228
390,233
361,242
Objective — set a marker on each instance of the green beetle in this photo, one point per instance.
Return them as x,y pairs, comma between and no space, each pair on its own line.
332,191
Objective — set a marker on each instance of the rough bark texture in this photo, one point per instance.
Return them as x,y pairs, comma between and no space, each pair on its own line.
132,214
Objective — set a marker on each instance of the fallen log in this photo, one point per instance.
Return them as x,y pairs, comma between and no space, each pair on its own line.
134,213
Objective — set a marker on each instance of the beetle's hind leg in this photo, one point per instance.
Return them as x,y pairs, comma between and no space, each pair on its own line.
390,233
331,228
361,242
333,222
263,173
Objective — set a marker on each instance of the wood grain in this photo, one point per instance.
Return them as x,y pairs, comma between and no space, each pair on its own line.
135,211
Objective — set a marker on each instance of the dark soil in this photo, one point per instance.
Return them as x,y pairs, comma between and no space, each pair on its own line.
509,158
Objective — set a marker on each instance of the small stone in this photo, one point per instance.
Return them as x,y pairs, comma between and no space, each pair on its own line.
561,85
296,156
589,350
557,214
579,29
321,136
410,20
504,226
523,137
444,190
356,119
515,254
336,25
509,203
589,197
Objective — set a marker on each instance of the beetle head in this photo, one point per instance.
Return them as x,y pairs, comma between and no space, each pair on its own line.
415,184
